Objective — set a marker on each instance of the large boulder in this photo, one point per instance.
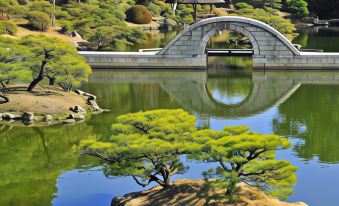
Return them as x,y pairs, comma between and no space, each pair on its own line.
9,116
48,117
82,93
69,121
71,116
28,116
79,116
77,109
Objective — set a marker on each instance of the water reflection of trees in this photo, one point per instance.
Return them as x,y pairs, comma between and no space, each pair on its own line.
229,40
313,118
33,158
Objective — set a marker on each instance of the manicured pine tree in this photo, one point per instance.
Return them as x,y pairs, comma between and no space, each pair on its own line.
146,146
245,157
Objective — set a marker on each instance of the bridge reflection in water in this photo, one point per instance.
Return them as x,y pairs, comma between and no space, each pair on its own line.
191,91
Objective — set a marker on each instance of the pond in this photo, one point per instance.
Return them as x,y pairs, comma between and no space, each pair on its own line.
39,166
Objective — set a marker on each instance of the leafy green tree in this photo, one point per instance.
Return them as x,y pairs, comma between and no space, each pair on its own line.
103,36
298,7
8,27
12,67
9,7
85,18
245,157
43,6
274,4
56,60
269,16
38,20
146,145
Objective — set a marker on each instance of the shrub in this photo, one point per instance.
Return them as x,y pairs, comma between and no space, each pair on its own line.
188,19
298,7
120,14
38,20
139,14
143,2
154,9
66,26
220,11
7,27
243,5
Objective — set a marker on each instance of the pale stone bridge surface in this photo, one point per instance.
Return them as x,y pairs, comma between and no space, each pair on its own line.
190,92
188,49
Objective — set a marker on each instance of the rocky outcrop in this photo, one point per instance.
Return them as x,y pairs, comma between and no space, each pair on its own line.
28,116
91,101
10,116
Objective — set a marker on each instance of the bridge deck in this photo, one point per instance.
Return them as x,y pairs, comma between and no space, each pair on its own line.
229,52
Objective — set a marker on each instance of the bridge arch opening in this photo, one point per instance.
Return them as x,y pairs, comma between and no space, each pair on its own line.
234,38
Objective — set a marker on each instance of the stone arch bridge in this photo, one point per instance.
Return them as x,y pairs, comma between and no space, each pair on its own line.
271,49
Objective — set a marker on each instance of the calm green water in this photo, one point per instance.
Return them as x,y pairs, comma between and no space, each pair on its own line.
38,166
325,38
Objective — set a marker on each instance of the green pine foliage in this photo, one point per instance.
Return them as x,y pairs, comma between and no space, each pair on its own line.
9,8
269,16
54,61
146,146
7,27
85,18
38,20
298,7
57,61
245,156
274,4
12,67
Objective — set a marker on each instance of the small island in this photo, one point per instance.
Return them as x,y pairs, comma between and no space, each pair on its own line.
46,105
184,192
37,75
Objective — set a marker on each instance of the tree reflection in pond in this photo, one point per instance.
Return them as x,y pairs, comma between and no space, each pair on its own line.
314,119
33,158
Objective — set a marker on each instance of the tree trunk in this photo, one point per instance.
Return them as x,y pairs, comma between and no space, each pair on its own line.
167,180
39,78
232,187
70,87
230,190
53,14
195,12
51,81
4,97
3,84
